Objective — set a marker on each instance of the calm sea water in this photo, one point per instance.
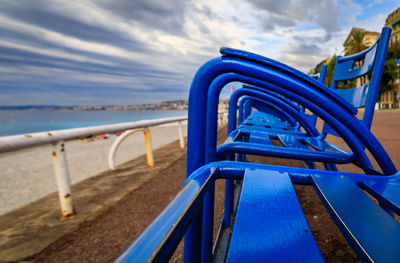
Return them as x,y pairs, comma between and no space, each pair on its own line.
13,122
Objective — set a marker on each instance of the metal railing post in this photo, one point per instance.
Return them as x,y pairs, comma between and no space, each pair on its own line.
116,144
62,179
149,151
181,138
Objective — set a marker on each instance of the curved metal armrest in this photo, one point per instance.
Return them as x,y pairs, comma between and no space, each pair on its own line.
230,52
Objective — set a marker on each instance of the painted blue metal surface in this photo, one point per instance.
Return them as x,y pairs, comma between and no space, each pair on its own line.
285,118
374,56
271,117
274,133
260,95
211,71
369,59
288,70
373,234
191,212
386,192
356,96
158,241
259,137
282,152
270,225
281,79
272,114
321,75
348,126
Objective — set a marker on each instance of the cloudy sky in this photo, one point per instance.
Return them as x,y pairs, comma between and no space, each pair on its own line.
102,52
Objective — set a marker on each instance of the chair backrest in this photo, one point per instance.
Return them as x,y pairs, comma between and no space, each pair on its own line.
321,75
366,68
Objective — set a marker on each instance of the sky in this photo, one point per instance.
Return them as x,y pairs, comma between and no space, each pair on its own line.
126,52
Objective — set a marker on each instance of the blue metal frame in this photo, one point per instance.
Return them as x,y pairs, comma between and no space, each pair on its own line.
280,118
158,241
191,212
275,114
253,69
261,96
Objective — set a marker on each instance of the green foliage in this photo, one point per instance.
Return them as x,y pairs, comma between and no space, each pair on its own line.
329,71
357,43
390,71
393,51
389,75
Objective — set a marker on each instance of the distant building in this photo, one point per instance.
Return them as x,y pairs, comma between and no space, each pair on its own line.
370,38
318,67
389,99
393,21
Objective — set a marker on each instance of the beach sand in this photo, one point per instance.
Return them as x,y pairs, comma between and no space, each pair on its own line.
28,174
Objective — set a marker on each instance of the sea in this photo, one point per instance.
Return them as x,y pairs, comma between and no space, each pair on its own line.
14,122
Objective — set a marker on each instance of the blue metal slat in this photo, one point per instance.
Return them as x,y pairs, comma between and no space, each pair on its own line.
373,234
387,192
270,225
292,141
260,137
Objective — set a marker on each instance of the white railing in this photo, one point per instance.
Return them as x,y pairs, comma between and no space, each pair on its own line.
59,137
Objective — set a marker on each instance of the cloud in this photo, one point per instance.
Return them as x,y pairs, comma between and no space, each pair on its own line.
167,16
375,2
149,50
323,13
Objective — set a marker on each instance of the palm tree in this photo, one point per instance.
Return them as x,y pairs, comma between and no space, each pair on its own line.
357,43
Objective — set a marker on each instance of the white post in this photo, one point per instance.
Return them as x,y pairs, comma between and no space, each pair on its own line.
62,178
181,138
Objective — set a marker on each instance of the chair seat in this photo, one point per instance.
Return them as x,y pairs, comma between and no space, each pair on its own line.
373,234
270,225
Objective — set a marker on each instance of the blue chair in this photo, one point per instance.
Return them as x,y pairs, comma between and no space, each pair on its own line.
236,65
275,116
269,223
363,96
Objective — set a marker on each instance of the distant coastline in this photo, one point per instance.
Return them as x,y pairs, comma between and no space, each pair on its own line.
165,105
